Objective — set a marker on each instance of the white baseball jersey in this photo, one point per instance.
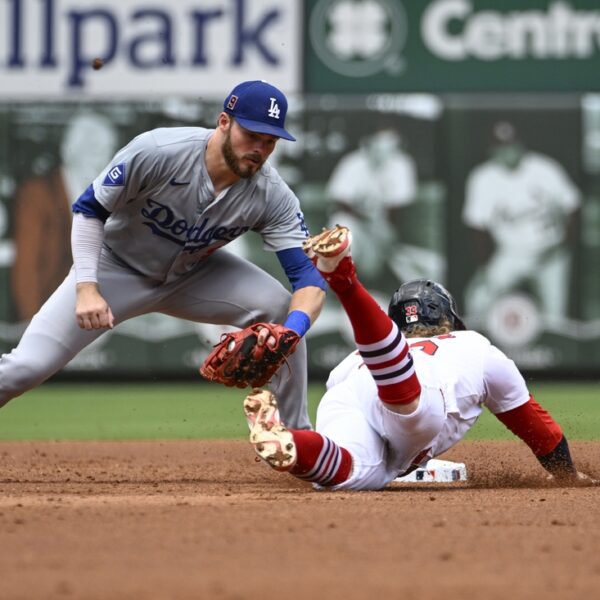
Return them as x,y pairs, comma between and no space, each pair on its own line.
460,373
523,207
165,217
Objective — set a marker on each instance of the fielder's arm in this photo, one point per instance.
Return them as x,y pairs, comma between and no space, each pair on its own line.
87,233
309,300
308,289
308,292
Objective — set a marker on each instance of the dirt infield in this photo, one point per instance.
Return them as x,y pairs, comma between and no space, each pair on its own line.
175,520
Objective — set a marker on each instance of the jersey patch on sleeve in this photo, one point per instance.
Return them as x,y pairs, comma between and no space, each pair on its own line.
115,176
303,226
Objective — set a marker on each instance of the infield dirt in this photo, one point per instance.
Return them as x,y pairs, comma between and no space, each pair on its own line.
179,520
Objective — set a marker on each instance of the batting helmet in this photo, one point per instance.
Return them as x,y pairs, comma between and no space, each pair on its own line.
423,302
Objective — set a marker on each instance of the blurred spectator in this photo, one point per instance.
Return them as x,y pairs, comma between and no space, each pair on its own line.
42,211
521,203
367,188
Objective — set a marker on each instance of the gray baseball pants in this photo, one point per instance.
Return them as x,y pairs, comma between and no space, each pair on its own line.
225,289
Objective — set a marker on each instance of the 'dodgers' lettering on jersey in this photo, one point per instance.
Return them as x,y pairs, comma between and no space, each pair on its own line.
163,222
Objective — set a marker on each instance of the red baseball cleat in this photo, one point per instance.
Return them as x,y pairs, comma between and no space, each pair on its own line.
330,253
328,248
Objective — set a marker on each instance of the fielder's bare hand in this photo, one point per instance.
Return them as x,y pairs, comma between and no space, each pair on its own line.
265,337
91,309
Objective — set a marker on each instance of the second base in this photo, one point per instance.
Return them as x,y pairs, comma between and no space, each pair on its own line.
440,471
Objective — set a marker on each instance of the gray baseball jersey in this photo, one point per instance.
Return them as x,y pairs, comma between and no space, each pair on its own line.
163,227
165,217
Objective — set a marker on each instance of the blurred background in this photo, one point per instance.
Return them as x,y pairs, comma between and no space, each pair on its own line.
460,139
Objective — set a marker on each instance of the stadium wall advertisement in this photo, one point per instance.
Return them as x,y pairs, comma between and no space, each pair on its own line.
416,131
149,49
452,46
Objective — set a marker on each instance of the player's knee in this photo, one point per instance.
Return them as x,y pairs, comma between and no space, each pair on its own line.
281,308
276,307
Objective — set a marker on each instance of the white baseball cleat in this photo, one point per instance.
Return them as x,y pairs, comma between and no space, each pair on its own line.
329,247
271,440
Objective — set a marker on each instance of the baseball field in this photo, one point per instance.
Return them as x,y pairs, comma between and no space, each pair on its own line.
151,491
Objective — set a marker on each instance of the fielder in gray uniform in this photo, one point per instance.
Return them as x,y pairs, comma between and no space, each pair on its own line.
148,234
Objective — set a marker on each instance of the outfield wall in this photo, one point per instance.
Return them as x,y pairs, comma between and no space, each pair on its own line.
402,131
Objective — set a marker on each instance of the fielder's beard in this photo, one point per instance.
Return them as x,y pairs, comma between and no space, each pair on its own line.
233,161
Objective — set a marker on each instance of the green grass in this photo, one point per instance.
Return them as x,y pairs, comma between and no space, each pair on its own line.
128,411
204,411
576,406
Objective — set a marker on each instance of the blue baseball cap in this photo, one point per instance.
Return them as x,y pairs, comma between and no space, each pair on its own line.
259,107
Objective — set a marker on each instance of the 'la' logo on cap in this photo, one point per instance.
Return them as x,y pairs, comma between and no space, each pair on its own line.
274,109
232,102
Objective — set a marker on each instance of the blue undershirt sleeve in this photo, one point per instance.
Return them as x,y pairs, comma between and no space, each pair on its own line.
299,270
88,206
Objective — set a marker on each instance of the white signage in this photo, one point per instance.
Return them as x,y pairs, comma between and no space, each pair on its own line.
453,30
140,49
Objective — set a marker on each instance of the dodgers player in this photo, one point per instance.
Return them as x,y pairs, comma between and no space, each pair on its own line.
416,385
148,234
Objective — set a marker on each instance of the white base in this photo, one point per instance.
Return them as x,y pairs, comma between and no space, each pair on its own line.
440,471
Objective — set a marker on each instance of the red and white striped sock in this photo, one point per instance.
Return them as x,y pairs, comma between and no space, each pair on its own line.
320,459
392,368
382,346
